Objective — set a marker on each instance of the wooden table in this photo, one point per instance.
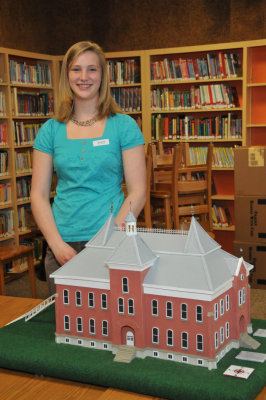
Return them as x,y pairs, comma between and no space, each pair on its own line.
11,253
22,386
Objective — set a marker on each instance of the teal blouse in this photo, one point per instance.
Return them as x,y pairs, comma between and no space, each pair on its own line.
89,172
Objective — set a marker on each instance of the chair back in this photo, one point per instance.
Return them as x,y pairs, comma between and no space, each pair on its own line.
191,189
161,168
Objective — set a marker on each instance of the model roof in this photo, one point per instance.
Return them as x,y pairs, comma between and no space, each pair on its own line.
180,262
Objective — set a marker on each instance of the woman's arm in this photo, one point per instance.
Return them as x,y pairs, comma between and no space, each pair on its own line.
40,204
135,176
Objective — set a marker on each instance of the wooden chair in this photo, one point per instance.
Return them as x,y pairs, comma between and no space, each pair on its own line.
144,219
191,190
161,192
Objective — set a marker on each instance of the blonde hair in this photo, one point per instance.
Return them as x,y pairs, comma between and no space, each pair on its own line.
106,104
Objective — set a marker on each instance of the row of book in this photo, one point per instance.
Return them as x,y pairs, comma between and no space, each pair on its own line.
30,73
3,134
128,99
197,97
37,243
25,218
124,72
23,161
5,193
23,188
212,66
25,133
223,157
2,103
32,103
221,216
6,223
187,127
3,163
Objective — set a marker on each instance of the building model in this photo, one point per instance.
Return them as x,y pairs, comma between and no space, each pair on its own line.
171,295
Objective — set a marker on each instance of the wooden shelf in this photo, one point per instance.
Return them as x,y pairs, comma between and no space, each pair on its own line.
223,197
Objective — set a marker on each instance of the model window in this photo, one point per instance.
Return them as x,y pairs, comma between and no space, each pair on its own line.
216,340
184,359
131,310
125,285
199,314
66,296
199,342
169,309
170,356
184,340
183,311
78,298
91,299
222,334
154,307
200,362
155,335
215,311
222,307
104,301
242,277
243,295
79,325
227,302
239,297
170,337
227,330
121,305
66,323
105,328
92,326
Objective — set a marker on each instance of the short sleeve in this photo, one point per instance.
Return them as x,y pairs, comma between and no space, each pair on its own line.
45,138
131,135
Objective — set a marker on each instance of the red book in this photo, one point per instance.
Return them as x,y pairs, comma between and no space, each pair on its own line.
166,128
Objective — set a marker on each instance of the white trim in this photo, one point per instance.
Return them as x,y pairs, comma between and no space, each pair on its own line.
131,267
186,293
240,262
90,284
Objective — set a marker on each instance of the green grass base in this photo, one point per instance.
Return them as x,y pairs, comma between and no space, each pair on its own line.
30,347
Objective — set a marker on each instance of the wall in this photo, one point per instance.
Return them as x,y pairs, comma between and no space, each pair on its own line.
52,26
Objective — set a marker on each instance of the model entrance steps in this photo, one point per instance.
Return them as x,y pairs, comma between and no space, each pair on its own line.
248,341
125,354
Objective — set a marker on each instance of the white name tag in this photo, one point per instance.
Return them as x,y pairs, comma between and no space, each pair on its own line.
102,142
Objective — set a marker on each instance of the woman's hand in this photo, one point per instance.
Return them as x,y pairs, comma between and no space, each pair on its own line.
63,252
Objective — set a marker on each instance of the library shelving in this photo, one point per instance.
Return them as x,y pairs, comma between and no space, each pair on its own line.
127,76
256,93
196,95
28,86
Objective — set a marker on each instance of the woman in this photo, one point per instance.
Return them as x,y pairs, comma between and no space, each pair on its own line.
91,145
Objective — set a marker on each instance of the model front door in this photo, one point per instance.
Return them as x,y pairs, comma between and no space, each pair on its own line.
130,339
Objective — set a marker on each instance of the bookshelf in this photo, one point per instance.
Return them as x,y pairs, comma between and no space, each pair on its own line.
28,85
256,93
172,98
128,77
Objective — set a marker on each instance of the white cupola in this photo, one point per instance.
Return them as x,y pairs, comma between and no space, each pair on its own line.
131,224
